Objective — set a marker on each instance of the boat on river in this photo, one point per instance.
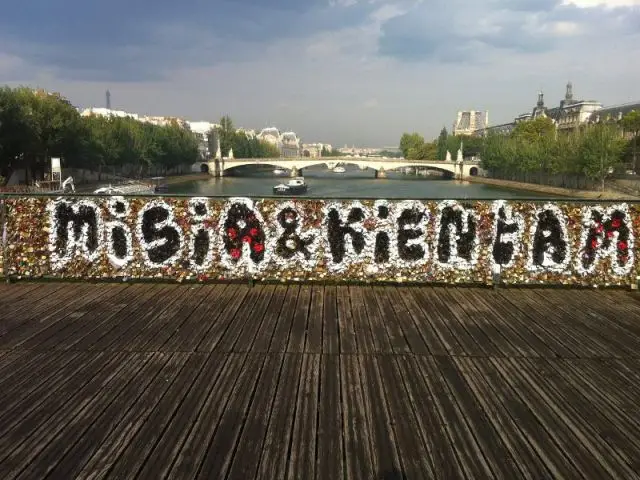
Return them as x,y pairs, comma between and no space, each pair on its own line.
339,170
279,171
295,186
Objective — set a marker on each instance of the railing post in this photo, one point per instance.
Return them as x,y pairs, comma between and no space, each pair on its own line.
3,227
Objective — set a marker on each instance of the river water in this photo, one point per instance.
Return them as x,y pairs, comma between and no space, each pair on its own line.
354,183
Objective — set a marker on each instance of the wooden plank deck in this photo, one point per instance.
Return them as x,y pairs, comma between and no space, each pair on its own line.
317,382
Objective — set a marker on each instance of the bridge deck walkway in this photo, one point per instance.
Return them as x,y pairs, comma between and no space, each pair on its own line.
227,381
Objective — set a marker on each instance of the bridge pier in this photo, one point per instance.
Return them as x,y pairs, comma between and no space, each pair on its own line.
296,172
381,173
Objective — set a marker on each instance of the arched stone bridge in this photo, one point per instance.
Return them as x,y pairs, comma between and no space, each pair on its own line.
462,169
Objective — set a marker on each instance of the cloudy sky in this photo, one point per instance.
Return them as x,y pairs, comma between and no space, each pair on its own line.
341,71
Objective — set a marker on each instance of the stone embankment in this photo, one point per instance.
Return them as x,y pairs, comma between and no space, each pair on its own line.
608,194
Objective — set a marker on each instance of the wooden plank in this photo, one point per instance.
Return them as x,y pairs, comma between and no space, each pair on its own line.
247,456
256,298
384,453
107,333
547,332
67,455
194,449
149,409
216,374
529,455
264,335
597,420
481,318
254,324
569,436
435,430
384,330
298,335
346,327
302,461
12,292
357,432
546,317
316,313
407,338
330,450
156,333
105,320
243,295
46,307
585,320
404,301
496,453
432,319
331,334
132,336
480,342
524,335
25,403
277,442
605,321
416,458
469,452
27,302
434,298
543,441
283,325
74,326
223,443
20,445
187,336
360,320
134,448
51,367
53,328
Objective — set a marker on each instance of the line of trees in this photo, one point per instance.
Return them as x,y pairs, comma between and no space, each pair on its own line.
36,125
414,146
536,152
243,145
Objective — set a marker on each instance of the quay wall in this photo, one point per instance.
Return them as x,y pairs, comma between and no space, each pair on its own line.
272,239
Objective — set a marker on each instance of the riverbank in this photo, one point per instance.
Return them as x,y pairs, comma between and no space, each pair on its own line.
556,191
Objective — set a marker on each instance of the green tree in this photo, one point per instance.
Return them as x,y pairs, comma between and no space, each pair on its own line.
600,151
227,134
533,130
410,144
442,144
631,123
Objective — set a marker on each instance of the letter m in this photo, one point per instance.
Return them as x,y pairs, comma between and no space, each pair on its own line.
75,229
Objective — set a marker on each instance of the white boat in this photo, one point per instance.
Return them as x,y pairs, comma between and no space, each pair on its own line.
295,186
126,189
339,170
279,171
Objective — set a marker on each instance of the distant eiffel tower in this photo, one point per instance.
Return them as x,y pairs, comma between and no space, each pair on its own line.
108,96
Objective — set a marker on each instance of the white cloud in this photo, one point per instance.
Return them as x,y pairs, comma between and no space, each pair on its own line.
602,3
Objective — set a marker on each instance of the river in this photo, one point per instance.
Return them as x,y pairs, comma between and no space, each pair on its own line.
354,183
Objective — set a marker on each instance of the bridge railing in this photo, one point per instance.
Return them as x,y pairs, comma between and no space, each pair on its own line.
183,238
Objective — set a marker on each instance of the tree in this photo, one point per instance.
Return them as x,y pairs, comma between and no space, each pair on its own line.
631,123
227,133
600,151
442,144
533,130
410,141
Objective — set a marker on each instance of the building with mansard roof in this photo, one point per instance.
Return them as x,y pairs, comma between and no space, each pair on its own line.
568,115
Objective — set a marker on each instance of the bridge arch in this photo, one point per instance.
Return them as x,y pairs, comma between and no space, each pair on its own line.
204,168
465,169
